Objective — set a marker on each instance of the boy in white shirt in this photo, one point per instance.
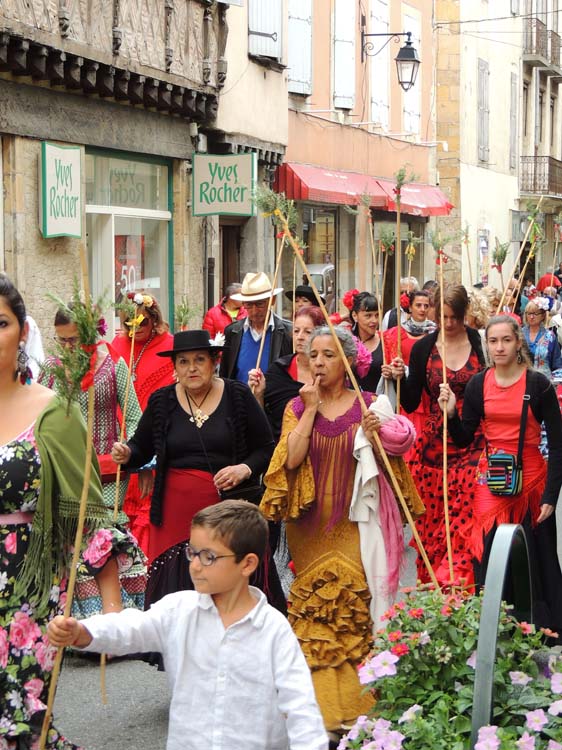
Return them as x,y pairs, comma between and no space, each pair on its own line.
238,678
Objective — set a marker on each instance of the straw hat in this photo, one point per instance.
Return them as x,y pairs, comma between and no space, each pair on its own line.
256,286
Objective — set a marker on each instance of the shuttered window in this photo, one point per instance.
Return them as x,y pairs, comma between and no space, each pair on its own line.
380,106
265,26
513,123
411,102
300,47
483,111
344,54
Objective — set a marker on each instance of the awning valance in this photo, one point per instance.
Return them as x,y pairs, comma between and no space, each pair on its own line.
304,182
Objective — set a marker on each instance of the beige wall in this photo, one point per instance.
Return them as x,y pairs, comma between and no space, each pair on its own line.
254,99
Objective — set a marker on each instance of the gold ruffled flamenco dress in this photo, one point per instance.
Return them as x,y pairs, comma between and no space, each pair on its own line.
329,598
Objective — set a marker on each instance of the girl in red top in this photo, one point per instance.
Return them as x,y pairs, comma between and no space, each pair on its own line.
494,398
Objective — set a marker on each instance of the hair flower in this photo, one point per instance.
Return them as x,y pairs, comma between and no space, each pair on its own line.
363,359
138,298
543,303
349,297
218,340
101,327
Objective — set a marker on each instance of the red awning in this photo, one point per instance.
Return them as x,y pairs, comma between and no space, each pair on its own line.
418,199
304,182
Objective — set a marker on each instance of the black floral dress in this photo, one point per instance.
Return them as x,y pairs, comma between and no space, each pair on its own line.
426,466
26,658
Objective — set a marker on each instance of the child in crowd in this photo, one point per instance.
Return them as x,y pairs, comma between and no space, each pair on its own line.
238,678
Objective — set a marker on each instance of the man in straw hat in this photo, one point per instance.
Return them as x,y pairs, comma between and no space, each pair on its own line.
243,338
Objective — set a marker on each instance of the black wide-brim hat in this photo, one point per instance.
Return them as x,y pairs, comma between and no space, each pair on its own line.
305,291
188,341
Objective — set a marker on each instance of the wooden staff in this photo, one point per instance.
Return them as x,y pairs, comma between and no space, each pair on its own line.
398,272
466,244
519,285
270,299
445,459
376,263
554,255
294,294
124,412
364,408
77,545
512,276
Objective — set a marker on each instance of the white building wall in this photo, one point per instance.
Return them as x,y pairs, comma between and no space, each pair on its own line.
489,190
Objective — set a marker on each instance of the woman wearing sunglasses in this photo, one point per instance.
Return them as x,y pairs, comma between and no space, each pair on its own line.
542,343
149,372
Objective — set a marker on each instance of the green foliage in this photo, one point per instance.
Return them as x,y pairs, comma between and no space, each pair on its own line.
276,204
421,671
499,254
183,313
387,240
69,364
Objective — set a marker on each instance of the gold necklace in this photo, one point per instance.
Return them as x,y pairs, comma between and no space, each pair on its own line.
199,418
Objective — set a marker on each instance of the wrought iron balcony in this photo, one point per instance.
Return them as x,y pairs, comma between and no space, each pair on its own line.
554,48
541,175
535,38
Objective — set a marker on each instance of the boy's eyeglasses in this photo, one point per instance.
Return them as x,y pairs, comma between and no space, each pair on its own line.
206,556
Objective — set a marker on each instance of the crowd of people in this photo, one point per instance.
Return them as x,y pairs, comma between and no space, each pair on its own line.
291,417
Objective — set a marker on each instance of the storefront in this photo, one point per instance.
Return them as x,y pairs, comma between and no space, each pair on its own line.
129,226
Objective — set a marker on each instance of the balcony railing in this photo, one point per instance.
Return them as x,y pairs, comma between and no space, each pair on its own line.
554,45
541,175
536,38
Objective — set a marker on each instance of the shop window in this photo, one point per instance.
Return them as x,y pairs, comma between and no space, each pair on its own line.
128,229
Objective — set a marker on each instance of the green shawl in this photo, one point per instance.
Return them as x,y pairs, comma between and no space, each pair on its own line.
61,443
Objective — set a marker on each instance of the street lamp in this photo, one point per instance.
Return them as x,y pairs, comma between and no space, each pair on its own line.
407,60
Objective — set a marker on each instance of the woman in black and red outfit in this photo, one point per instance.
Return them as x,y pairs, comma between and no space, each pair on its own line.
464,358
210,439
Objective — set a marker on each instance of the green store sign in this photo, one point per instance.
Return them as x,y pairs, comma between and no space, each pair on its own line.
60,201
224,184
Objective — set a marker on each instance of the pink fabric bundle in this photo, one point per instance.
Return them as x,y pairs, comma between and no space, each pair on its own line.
397,435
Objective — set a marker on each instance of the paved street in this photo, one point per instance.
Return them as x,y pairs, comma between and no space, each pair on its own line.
136,714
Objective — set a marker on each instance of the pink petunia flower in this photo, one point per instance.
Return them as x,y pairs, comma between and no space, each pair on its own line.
384,664
410,713
526,742
556,683
487,738
555,709
552,745
526,628
471,661
520,678
536,720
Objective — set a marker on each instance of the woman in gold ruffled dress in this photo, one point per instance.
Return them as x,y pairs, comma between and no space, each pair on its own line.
310,484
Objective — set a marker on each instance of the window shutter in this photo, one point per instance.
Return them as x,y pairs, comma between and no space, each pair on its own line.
300,46
265,25
513,123
344,54
483,111
380,107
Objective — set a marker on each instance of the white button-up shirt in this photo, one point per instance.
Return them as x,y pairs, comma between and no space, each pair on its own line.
246,687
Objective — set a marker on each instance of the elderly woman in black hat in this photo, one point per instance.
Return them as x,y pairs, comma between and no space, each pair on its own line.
303,296
211,441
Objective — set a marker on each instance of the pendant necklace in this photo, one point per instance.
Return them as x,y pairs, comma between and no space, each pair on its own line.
199,418
137,360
